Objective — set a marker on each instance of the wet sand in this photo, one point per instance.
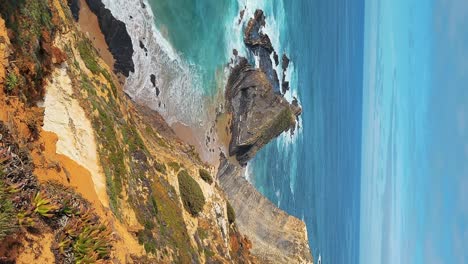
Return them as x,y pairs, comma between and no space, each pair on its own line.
89,24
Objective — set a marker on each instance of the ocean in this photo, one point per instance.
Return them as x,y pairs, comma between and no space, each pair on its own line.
313,174
377,169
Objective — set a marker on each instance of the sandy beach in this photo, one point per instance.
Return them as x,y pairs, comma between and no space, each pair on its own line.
89,24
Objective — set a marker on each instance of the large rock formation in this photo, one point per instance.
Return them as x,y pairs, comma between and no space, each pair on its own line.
276,236
253,95
117,37
259,114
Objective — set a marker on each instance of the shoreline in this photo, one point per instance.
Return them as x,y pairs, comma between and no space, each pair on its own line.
209,139
194,136
89,25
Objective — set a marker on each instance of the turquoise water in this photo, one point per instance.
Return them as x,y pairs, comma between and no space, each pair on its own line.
197,30
316,174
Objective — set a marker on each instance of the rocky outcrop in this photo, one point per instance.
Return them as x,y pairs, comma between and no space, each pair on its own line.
117,37
276,236
260,45
259,114
284,65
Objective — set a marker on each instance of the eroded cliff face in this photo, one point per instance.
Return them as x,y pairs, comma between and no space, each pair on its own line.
276,236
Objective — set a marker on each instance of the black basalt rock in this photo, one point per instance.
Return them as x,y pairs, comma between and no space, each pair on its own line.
117,37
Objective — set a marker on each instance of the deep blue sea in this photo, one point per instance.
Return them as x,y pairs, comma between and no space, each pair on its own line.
317,176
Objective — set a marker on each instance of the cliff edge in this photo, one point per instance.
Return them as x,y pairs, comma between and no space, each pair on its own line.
276,236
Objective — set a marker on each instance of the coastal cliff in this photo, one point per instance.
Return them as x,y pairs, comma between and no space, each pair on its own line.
259,114
86,175
253,97
276,236
89,176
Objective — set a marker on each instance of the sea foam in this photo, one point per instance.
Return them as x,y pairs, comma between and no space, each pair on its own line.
181,97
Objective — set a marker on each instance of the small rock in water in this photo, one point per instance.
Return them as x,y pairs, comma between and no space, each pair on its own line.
153,79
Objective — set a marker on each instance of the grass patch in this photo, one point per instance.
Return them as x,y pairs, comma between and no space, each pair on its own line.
191,193
89,56
12,82
7,213
87,240
174,166
160,167
206,176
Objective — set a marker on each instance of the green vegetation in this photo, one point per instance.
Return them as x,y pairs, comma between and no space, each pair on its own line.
87,239
230,213
174,166
191,193
12,82
88,56
31,33
7,214
44,206
112,155
30,18
282,122
38,15
206,176
160,167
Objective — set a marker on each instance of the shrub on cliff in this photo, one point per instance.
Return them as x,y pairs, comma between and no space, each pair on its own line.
230,213
11,82
7,222
206,176
174,166
191,193
88,56
161,167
